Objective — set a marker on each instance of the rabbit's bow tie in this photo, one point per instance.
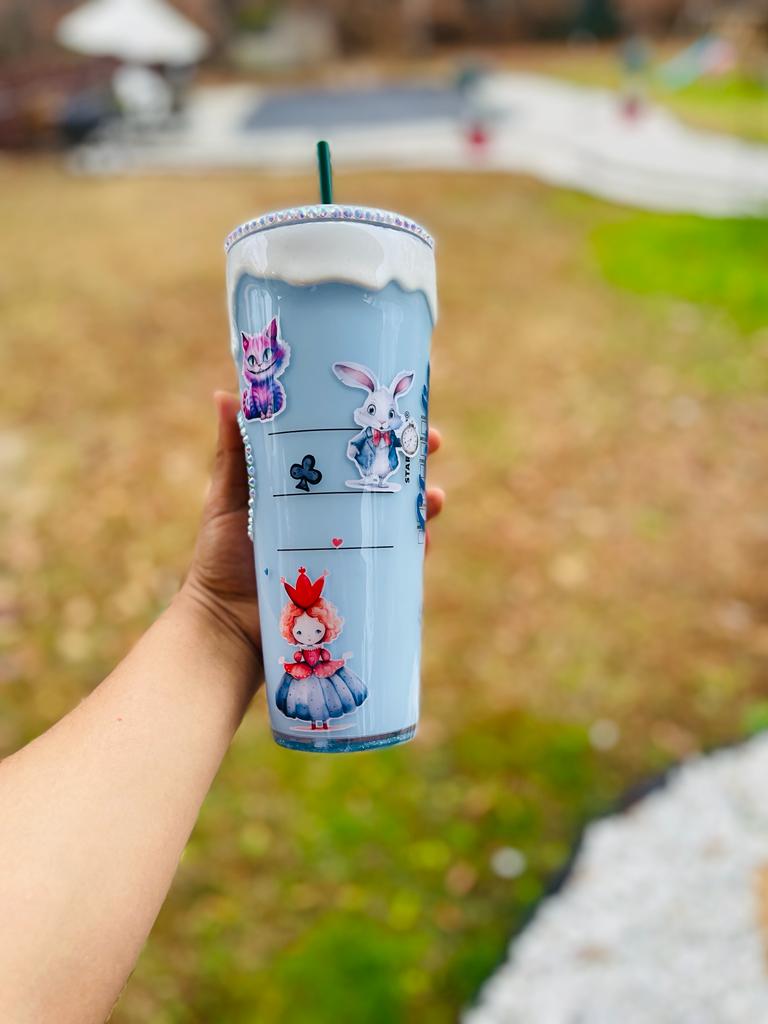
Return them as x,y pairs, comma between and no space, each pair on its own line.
380,436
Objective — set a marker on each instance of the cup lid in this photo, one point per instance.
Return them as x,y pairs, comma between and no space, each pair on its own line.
329,212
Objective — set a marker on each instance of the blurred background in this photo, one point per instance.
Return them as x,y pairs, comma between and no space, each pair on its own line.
596,174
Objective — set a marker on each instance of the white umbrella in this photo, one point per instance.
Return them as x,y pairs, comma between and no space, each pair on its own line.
139,31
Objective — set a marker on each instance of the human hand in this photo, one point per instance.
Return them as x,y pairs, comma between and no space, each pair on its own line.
222,577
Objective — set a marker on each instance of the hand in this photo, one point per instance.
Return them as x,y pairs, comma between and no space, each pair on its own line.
222,576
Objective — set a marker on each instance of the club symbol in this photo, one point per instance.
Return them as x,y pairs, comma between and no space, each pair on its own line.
306,473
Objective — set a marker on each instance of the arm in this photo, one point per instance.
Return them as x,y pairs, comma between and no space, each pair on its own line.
94,814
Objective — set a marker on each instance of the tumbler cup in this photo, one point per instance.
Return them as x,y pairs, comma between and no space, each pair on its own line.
331,311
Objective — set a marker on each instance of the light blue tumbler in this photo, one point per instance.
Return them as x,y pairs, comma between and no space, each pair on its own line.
331,311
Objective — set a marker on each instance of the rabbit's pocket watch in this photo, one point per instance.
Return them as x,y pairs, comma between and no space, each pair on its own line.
409,439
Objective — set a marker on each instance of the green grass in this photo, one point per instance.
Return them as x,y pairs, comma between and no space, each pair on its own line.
732,103
711,263
700,276
376,921
606,514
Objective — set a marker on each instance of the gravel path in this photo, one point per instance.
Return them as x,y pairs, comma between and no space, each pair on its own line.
660,921
565,134
578,137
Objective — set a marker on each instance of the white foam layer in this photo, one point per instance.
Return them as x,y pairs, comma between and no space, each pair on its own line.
367,255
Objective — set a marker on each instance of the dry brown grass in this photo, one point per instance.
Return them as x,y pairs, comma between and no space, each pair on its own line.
602,556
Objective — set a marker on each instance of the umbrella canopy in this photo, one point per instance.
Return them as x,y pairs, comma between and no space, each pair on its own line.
139,31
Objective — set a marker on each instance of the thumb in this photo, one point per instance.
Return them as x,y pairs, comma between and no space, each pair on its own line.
229,481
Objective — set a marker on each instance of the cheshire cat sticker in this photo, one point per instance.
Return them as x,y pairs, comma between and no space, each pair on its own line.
265,359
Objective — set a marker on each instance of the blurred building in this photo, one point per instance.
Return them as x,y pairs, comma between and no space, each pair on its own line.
62,73
27,26
412,25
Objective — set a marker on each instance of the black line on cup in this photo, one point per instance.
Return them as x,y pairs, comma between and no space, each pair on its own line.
347,547
312,430
349,491
306,494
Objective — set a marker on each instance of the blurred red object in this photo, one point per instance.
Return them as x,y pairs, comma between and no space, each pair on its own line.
632,107
477,136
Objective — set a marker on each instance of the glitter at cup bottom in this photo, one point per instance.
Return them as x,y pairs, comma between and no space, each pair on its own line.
315,744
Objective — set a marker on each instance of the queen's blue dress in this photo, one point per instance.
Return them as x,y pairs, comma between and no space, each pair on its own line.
317,687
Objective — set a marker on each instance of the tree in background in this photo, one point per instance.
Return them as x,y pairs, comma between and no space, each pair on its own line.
598,19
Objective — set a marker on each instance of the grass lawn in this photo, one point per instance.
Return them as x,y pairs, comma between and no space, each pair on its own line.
601,380
730,103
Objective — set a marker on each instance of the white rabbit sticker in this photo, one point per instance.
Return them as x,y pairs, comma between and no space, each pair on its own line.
375,450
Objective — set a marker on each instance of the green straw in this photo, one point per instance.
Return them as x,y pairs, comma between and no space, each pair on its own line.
324,172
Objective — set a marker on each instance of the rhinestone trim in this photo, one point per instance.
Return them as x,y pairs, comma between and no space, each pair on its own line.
317,214
251,470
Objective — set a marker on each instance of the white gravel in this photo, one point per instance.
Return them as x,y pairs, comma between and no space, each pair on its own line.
577,137
564,134
659,921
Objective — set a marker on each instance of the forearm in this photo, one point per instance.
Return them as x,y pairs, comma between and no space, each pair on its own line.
95,813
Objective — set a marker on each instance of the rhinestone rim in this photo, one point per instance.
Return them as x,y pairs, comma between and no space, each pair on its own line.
317,214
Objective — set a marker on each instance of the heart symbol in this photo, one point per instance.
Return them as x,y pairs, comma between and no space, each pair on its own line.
337,541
